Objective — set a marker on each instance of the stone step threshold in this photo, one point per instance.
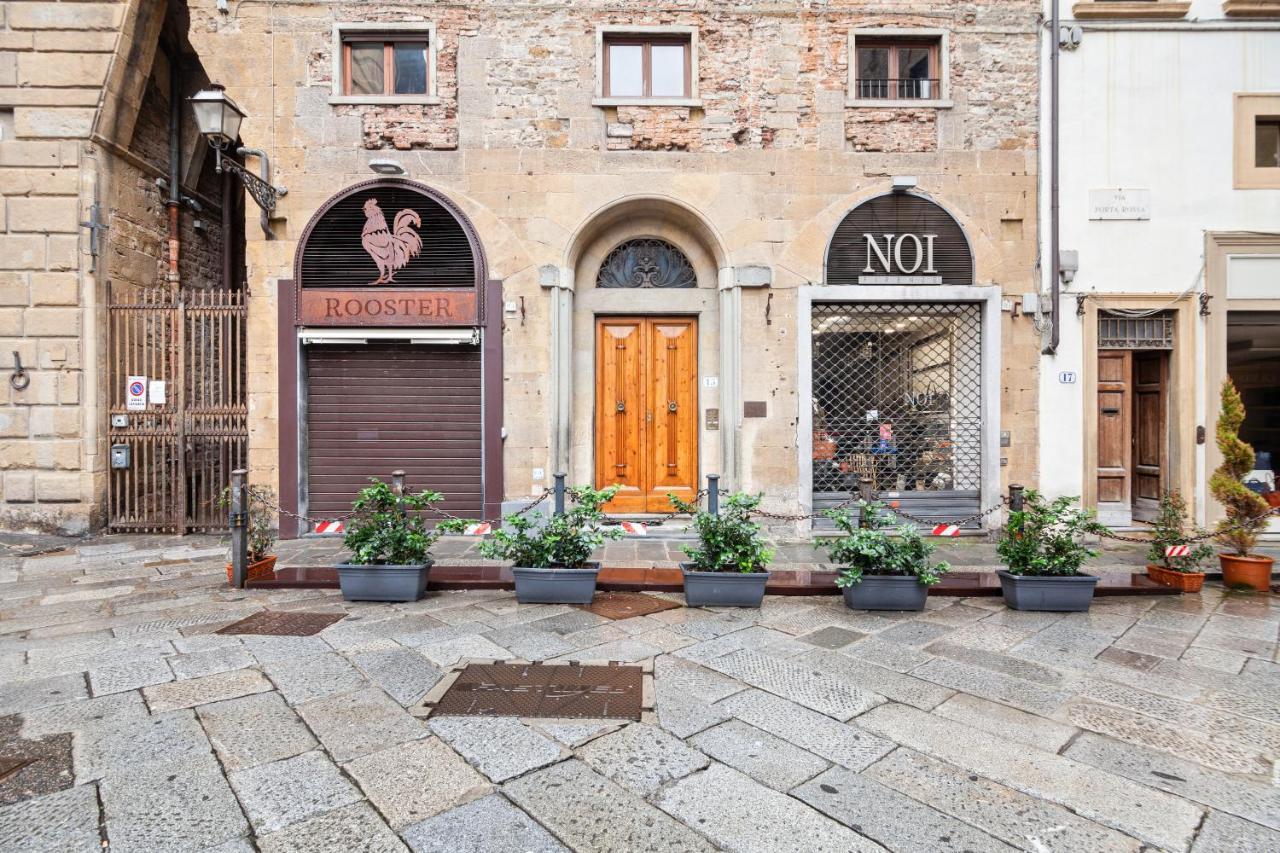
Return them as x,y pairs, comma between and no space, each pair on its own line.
632,579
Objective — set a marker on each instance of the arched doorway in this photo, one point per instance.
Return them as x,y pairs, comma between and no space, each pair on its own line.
390,354
902,363
642,334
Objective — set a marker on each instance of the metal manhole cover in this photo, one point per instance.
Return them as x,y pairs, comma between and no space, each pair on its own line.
283,624
545,690
624,605
10,766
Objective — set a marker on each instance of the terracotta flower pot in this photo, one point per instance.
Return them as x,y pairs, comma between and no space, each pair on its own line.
1250,572
1181,581
264,568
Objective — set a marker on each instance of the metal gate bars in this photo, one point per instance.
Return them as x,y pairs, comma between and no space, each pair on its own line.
897,398
177,406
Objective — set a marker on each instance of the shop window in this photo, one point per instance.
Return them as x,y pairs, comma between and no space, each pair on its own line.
1257,141
647,65
1253,362
384,66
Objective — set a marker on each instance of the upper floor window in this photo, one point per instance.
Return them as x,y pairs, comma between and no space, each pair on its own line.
897,69
639,65
1257,141
384,64
1266,142
378,67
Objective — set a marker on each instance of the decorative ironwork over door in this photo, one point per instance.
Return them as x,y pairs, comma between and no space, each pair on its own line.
187,434
897,397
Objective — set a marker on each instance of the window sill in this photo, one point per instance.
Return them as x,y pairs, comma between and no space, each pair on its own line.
891,103
1251,8
646,102
384,100
1091,10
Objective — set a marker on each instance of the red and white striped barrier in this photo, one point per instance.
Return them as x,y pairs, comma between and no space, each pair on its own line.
330,527
1177,550
478,529
945,530
634,528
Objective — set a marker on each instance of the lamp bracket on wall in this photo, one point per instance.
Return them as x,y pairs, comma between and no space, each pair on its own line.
1080,298
1204,304
264,194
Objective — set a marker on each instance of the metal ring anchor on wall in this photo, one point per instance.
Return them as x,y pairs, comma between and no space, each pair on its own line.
20,378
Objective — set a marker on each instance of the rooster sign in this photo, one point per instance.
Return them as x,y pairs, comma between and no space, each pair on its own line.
390,249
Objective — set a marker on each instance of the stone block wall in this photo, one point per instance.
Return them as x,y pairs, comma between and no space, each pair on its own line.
53,63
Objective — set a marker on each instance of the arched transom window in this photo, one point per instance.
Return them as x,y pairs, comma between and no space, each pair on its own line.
646,262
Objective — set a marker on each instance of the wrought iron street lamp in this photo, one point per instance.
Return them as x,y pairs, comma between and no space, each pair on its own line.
218,119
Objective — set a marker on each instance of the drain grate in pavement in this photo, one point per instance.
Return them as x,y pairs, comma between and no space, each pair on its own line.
570,690
624,605
10,766
283,624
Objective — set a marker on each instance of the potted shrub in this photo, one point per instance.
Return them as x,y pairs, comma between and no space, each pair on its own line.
1042,553
729,565
1247,511
1169,531
390,545
550,557
881,567
262,535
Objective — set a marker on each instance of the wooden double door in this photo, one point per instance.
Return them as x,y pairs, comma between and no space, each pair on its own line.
646,419
1133,428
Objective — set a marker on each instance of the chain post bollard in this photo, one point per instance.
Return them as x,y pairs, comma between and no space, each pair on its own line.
1016,498
864,494
239,523
397,482
559,505
713,494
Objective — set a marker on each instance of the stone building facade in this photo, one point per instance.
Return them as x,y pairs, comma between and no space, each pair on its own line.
747,175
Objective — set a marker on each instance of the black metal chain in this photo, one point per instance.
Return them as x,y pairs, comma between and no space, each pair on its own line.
1200,537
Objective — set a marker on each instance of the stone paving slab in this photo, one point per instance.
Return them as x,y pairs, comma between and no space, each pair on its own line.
893,819
740,814
797,683
39,693
847,745
280,793
412,782
1223,833
204,690
312,677
1001,721
254,730
354,724
499,747
641,758
349,828
1156,818
1026,822
767,759
182,805
880,680
73,716
61,822
567,799
115,746
491,824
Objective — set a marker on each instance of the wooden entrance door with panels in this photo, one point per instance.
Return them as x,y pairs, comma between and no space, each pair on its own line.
646,412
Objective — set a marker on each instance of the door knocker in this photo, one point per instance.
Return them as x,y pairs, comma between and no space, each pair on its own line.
20,379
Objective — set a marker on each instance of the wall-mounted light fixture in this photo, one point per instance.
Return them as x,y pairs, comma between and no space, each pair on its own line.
218,119
902,183
386,167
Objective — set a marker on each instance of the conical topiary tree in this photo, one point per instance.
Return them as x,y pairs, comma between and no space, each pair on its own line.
1246,509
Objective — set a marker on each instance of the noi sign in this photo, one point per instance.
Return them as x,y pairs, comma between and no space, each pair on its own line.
899,259
899,239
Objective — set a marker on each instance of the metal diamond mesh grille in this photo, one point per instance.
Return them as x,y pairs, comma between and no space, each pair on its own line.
897,397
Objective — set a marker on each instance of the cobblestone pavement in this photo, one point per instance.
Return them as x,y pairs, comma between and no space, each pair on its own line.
1145,724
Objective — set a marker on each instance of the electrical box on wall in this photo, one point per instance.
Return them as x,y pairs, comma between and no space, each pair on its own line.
120,456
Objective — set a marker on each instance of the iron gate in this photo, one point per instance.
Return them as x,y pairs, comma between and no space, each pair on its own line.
189,435
897,397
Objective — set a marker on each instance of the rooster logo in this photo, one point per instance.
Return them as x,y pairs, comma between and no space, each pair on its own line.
390,249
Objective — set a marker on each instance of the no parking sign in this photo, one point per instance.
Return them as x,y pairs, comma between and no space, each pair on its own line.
136,394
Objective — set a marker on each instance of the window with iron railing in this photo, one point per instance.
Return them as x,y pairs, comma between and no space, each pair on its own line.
901,69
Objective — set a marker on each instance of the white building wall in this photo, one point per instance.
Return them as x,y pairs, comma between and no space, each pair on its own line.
1145,105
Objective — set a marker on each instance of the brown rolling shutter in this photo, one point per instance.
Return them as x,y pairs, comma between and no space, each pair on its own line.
376,407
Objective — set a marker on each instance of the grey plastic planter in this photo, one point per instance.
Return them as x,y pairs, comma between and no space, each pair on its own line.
886,592
1047,592
383,583
723,589
556,586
